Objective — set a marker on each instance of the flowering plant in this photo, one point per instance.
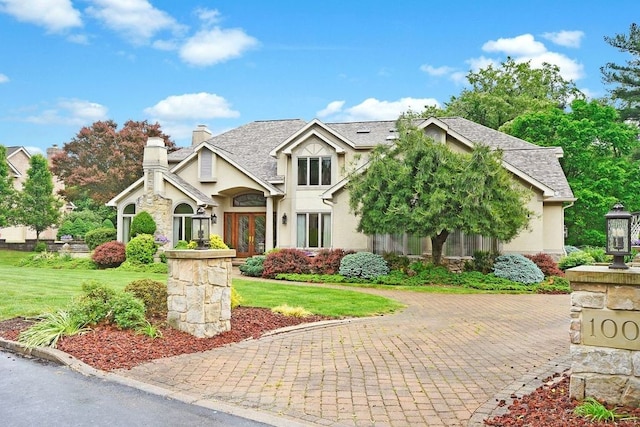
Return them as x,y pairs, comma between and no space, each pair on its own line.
66,237
635,242
160,239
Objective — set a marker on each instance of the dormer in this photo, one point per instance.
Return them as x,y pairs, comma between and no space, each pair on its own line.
207,165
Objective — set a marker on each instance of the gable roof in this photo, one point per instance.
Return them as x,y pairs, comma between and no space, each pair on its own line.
248,147
540,164
251,148
12,151
189,190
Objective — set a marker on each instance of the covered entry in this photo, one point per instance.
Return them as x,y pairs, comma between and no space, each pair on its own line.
245,232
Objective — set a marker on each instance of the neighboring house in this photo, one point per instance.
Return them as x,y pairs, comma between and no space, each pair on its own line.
282,184
18,159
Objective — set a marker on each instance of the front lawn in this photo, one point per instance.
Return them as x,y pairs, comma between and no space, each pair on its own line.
30,291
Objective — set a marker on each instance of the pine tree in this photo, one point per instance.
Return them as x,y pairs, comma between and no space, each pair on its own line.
626,77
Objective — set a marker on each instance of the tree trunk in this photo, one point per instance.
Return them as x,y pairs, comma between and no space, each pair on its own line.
437,242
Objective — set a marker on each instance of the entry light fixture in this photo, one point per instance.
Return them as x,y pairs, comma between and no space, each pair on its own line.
200,227
284,219
618,223
214,218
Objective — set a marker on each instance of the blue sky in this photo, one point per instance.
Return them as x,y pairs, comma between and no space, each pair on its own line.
65,64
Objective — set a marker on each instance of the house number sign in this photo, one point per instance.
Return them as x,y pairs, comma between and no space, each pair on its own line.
611,328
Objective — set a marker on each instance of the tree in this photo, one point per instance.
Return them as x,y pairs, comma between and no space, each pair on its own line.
37,206
100,161
498,95
598,161
7,192
627,77
421,187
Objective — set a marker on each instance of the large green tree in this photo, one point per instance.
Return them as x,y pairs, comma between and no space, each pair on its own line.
422,187
598,161
37,205
626,77
500,94
7,192
101,160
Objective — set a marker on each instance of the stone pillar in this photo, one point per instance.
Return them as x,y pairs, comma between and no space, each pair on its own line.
199,291
605,334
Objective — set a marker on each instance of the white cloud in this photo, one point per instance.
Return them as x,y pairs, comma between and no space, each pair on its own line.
137,20
54,15
523,45
331,109
208,16
565,38
481,62
78,39
208,47
192,106
525,48
3,78
374,109
74,112
436,71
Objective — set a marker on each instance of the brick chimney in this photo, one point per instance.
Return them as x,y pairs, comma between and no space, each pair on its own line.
200,134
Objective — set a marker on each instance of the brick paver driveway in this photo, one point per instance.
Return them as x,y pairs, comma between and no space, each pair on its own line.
434,363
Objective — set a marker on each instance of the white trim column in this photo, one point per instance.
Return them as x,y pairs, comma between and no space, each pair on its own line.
268,235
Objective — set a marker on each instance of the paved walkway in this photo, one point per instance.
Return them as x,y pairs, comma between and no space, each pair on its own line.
446,360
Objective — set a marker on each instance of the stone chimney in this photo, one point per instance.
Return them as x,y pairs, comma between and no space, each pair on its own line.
52,151
200,134
154,163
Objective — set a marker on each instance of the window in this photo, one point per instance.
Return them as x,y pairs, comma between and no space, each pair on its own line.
128,213
406,244
314,170
313,230
182,222
250,200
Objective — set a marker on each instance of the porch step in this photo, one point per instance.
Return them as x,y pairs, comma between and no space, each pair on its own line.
236,262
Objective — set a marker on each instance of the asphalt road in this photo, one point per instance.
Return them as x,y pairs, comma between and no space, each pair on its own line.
35,392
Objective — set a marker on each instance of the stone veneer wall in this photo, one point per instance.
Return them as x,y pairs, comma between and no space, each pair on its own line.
605,334
160,210
199,291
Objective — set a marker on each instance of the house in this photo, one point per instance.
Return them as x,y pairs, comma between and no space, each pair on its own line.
18,160
282,183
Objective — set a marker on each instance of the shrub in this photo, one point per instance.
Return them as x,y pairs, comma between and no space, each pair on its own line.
253,266
365,265
575,259
482,262
236,299
216,242
142,223
396,262
127,311
327,261
286,261
98,236
141,249
40,247
100,303
598,254
78,223
93,305
570,249
152,293
546,264
110,254
107,223
156,267
183,244
518,269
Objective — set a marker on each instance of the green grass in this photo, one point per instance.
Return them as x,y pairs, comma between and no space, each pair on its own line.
318,300
31,291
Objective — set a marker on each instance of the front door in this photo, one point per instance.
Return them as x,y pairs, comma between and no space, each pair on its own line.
245,232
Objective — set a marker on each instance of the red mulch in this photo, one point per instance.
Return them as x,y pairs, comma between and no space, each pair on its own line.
108,348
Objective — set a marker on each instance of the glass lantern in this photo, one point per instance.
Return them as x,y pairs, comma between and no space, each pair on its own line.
618,223
200,226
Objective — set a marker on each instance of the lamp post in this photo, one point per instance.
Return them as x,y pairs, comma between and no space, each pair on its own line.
200,224
618,223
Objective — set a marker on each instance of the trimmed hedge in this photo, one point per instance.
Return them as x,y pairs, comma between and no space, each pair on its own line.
253,266
286,261
546,264
98,236
109,255
152,293
141,249
142,223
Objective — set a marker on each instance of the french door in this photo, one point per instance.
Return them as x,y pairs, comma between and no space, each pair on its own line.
245,232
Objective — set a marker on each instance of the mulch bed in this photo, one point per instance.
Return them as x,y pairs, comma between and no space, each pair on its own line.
108,348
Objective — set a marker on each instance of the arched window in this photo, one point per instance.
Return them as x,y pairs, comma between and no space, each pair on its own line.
182,222
128,213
